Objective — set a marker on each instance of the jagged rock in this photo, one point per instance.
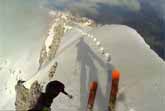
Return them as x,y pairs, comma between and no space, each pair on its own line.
43,54
25,98
34,93
59,31
22,95
52,70
46,56
56,33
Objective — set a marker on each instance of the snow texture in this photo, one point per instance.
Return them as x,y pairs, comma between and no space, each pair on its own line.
80,62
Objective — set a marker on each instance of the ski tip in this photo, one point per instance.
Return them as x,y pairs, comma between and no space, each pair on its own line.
93,85
115,74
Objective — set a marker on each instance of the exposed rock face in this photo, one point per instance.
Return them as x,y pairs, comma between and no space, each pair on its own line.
52,70
34,93
26,99
56,32
49,49
21,97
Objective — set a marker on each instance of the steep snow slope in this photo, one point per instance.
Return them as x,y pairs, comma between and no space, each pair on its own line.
142,71
80,62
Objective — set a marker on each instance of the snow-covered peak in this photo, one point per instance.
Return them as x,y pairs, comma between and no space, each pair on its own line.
62,22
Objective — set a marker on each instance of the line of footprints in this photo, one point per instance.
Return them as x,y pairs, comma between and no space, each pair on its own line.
98,43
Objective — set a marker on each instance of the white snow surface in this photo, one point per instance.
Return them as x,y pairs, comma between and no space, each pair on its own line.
80,62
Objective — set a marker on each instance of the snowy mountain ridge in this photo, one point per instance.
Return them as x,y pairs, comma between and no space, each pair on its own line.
74,50
59,26
124,46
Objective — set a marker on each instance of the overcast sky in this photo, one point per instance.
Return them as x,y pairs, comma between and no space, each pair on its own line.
91,6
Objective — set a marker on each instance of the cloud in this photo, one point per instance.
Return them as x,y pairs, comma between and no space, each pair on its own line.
84,7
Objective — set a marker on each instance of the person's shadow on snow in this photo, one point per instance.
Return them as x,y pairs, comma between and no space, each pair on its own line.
89,73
